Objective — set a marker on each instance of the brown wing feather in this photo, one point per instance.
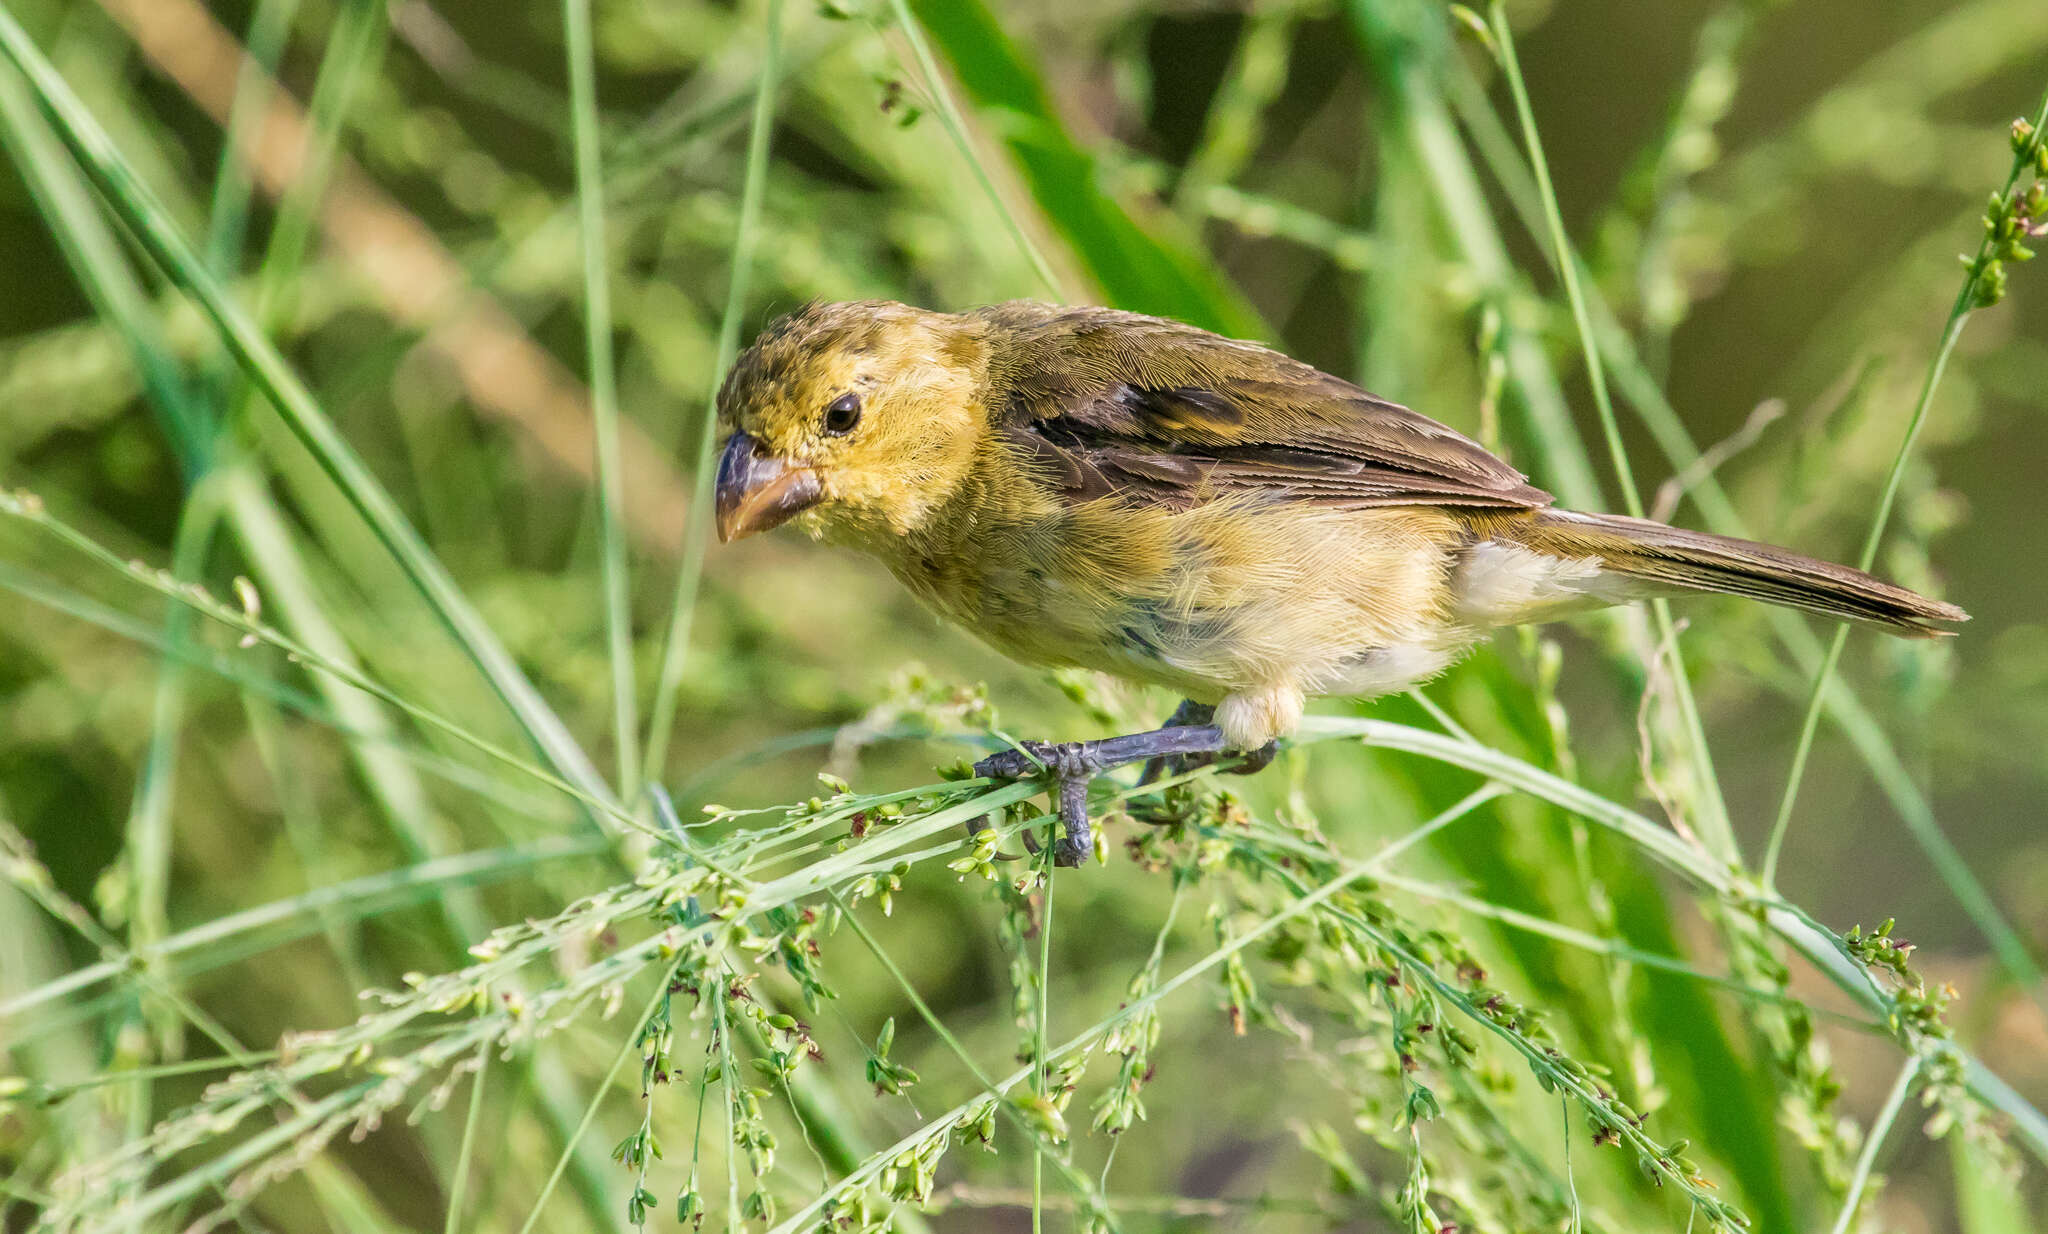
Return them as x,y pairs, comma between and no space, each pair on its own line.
1155,410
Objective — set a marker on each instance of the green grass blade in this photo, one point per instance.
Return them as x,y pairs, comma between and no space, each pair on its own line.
234,188
1145,267
466,1153
956,128
1712,816
683,608
94,253
1866,736
604,396
158,234
1969,298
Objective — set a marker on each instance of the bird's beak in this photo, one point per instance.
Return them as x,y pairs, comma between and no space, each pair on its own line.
757,491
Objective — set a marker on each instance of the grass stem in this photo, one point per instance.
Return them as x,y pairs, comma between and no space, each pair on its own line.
604,395
1966,301
683,608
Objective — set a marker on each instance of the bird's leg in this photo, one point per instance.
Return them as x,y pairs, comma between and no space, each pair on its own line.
1192,712
1072,765
1189,712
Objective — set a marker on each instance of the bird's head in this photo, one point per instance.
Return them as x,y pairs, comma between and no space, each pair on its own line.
857,419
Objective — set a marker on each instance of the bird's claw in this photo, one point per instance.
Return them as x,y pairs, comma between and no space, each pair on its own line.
1066,851
1062,760
1071,766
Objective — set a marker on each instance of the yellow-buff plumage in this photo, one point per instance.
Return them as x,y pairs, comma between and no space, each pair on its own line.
1089,487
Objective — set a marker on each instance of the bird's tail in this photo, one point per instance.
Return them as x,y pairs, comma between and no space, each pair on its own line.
1663,560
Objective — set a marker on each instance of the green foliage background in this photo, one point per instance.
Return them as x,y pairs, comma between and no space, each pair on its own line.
1768,199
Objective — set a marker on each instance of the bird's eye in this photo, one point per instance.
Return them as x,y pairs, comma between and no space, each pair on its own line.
842,415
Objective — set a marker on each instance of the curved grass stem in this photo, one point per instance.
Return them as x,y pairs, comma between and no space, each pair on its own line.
1873,1140
604,395
1712,817
156,231
1968,298
683,607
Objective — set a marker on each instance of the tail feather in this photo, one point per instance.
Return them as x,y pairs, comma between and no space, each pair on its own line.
1668,559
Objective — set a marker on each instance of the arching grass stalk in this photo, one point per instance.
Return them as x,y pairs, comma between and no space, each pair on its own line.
683,608
155,230
597,799
1640,388
1984,285
1713,819
604,392
956,128
1873,1140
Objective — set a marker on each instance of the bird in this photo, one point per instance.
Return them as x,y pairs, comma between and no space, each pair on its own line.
1095,488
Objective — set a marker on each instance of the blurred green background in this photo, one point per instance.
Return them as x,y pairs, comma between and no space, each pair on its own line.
1770,197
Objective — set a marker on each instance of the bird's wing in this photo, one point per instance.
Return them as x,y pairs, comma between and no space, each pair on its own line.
1157,411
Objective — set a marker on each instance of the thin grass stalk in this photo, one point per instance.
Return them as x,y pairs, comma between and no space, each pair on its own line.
1419,118
1968,298
406,809
1873,1140
255,86
304,828
1713,819
1078,1182
354,51
627,1046
1643,393
148,841
1144,266
728,1081
956,128
355,898
1560,241
683,608
1041,1076
604,395
97,257
153,228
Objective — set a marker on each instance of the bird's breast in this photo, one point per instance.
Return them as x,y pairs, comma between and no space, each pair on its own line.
1205,600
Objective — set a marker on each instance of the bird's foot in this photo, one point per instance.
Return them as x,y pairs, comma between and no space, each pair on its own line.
1191,712
1070,766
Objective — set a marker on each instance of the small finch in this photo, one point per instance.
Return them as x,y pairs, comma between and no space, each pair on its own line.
1094,488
